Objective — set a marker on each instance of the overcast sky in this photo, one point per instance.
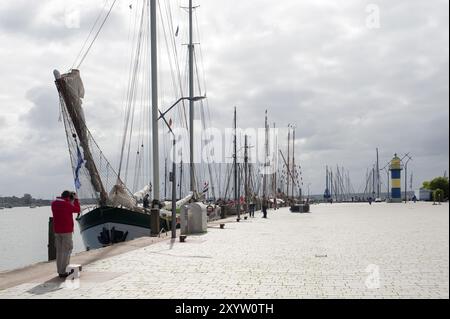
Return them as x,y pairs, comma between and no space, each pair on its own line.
349,82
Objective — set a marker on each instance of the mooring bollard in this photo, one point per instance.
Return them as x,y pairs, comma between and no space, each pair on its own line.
238,220
154,222
223,214
51,241
245,218
183,238
222,226
74,270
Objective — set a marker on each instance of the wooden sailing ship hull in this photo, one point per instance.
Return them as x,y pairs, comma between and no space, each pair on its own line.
105,226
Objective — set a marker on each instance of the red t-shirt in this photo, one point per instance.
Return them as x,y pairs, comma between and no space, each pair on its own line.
63,211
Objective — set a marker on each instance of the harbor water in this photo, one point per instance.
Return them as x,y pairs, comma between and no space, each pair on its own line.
24,237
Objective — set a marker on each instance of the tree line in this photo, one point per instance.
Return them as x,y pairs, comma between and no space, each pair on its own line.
439,187
26,200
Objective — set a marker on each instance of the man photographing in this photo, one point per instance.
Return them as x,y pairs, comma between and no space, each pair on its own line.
63,209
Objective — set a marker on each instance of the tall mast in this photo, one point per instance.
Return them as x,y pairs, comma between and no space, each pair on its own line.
378,176
331,184
293,158
265,160
155,107
165,179
275,168
373,180
181,176
236,195
246,173
191,98
288,160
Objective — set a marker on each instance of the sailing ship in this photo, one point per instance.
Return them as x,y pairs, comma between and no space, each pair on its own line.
112,213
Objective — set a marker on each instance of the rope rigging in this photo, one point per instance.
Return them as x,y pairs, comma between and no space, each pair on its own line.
135,141
96,34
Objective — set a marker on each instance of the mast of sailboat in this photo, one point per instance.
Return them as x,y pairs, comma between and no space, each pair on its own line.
191,98
246,172
181,176
155,107
165,178
378,176
275,168
236,195
288,161
293,158
331,185
266,156
373,180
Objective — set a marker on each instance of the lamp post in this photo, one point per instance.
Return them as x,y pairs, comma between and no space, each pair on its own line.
174,167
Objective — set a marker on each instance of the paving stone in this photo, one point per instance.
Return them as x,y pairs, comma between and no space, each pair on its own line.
337,251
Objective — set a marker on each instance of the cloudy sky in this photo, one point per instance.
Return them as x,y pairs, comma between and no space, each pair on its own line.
350,82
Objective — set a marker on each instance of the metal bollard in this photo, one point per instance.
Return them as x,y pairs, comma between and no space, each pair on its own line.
223,214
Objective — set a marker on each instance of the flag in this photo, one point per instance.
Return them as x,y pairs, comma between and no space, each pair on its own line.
80,162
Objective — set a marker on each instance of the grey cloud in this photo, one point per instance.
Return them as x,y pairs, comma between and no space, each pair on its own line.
21,18
2,123
348,89
43,115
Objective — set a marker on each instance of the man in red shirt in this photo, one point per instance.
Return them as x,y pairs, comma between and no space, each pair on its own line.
63,209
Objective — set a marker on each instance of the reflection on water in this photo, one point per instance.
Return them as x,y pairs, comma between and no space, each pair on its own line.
24,237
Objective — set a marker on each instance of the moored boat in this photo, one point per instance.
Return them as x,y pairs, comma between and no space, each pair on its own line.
112,212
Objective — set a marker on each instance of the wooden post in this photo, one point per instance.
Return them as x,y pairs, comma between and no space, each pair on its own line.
51,241
154,222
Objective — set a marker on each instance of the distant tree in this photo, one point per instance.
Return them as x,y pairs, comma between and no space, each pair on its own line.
438,183
442,184
426,185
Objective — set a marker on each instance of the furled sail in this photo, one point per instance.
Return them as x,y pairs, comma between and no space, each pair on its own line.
141,194
71,89
97,175
181,202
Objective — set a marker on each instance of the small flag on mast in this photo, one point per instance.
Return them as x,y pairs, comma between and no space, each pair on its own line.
80,162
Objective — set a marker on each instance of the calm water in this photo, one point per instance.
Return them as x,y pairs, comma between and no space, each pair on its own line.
24,237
